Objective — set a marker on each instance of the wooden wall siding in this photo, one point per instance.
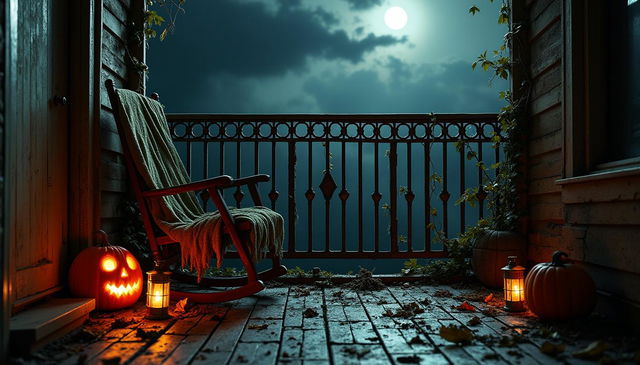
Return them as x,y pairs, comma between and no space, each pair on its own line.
113,181
596,222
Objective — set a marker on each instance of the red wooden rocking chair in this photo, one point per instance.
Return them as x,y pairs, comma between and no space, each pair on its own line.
161,245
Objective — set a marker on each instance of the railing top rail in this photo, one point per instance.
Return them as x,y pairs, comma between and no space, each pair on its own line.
469,117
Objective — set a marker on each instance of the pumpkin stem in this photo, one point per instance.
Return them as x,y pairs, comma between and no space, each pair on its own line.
559,258
102,238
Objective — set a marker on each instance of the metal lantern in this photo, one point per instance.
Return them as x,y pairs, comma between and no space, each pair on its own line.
513,286
158,286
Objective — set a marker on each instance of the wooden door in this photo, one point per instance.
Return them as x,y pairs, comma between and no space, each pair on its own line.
39,159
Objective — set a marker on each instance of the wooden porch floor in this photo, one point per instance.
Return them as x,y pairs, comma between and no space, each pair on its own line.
311,325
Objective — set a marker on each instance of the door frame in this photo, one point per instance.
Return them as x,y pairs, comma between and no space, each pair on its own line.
85,42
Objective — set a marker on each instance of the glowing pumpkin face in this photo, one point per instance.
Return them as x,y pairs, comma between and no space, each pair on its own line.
110,274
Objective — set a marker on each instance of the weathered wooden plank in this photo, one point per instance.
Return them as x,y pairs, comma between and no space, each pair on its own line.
546,185
609,213
113,24
340,332
359,354
262,330
255,353
314,345
610,190
547,143
546,83
273,311
546,122
613,247
544,14
186,350
546,49
159,350
394,342
483,354
121,350
220,345
117,9
457,354
291,346
110,204
546,165
183,325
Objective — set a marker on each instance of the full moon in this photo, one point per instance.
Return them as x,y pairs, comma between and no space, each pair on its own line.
395,18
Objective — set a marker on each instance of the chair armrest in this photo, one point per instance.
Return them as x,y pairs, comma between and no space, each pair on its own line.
214,182
253,179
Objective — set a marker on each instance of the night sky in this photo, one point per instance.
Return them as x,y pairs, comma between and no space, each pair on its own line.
331,56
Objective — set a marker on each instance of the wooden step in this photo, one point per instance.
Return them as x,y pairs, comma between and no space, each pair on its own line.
45,322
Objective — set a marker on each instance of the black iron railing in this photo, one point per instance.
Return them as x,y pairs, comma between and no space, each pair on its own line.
360,165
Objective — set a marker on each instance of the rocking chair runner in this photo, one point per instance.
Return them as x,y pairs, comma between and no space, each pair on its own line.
236,232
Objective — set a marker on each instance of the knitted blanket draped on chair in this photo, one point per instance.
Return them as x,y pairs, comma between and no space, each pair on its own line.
180,216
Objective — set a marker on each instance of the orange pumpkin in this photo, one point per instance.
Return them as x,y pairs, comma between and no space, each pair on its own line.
110,274
490,254
559,290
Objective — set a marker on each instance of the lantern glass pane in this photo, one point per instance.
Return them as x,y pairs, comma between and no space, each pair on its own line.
157,294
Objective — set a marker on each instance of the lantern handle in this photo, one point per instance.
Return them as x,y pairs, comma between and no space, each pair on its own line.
102,238
559,258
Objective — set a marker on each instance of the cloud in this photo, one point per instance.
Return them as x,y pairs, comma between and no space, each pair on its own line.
363,4
249,39
443,88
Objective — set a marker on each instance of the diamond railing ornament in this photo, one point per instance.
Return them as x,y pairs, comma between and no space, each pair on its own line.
409,196
273,196
238,195
344,195
376,197
328,186
310,194
444,196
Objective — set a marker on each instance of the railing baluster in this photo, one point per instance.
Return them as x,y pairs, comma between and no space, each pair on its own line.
238,194
221,158
205,172
444,195
273,194
328,187
310,194
462,187
292,195
427,196
481,193
256,158
344,195
376,196
360,225
188,162
409,196
393,195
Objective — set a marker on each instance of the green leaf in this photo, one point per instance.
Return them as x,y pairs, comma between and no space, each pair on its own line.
473,10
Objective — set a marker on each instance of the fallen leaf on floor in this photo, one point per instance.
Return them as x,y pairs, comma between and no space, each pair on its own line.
338,294
511,341
490,356
411,359
515,353
147,334
181,306
366,282
456,334
491,312
464,306
488,298
406,311
474,321
300,292
593,351
442,293
357,352
416,340
121,323
552,349
258,327
115,360
310,313
372,339
425,301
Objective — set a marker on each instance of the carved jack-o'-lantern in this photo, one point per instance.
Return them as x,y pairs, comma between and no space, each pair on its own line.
110,274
